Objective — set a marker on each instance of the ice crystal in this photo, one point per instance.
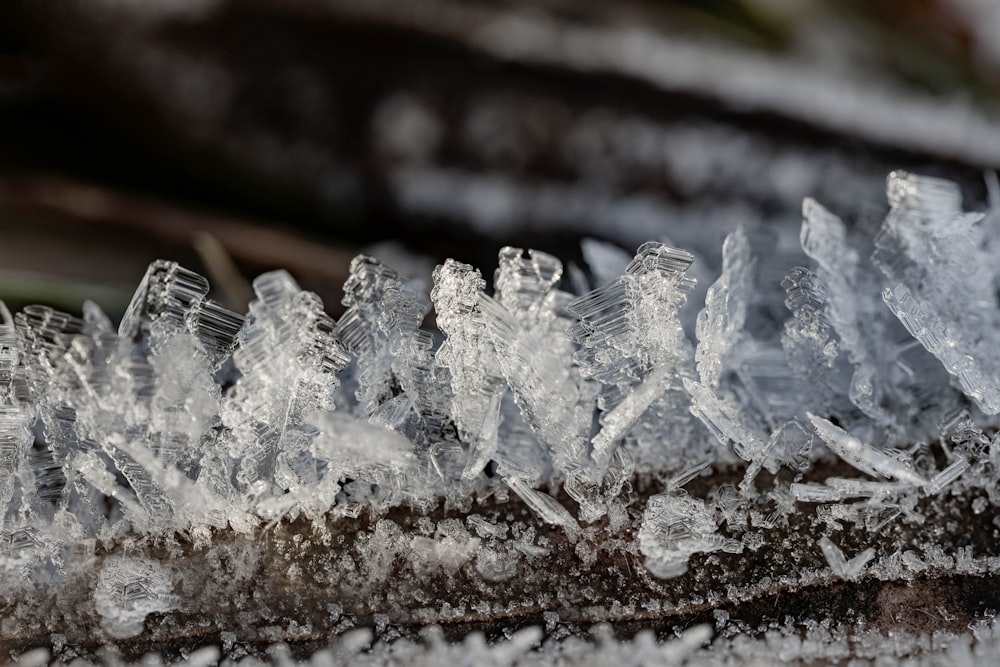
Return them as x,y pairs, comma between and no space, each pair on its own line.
865,390
127,591
674,527
941,281
862,456
842,566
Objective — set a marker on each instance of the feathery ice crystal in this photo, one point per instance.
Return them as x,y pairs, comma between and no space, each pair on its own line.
564,389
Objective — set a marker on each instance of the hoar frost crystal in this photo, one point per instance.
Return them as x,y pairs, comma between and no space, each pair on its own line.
563,450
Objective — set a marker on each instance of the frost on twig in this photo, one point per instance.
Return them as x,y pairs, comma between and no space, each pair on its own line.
539,427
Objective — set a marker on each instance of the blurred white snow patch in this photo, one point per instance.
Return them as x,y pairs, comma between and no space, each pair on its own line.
404,127
357,443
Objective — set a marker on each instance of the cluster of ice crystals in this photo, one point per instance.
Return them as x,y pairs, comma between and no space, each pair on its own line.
632,345
128,590
674,527
190,417
942,281
15,414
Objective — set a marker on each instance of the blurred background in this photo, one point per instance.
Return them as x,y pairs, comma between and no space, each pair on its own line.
238,136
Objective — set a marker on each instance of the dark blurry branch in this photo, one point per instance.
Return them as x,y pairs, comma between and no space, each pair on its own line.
225,275
66,204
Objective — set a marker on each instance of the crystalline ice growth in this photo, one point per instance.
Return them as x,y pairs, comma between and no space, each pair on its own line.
939,481
843,567
476,381
514,342
544,505
527,326
633,344
811,343
675,527
621,317
92,391
536,358
593,411
835,489
381,327
727,400
128,590
850,312
941,281
288,356
721,321
176,299
395,378
723,420
15,414
374,456
862,456
547,387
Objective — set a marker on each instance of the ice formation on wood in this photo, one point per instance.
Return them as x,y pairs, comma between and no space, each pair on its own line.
127,591
821,406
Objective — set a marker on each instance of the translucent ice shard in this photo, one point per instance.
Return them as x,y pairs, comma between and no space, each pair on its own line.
630,319
941,281
545,506
524,279
862,456
725,312
809,340
837,488
815,493
824,240
942,479
849,569
167,291
381,327
850,311
675,482
617,421
942,341
534,354
720,419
